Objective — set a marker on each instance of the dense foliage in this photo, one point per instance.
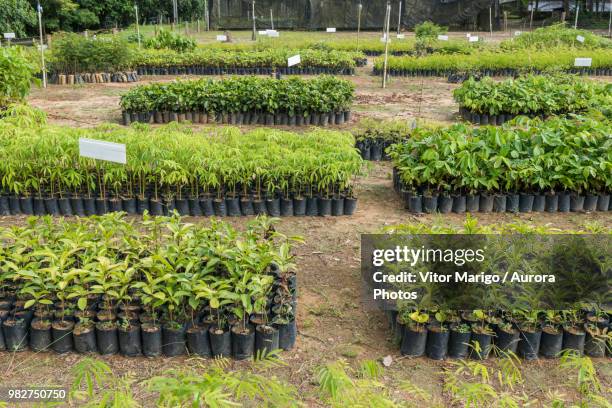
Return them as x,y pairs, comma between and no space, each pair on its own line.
175,271
169,40
559,154
74,53
391,131
555,36
16,16
173,162
532,94
428,30
520,60
228,58
16,75
243,94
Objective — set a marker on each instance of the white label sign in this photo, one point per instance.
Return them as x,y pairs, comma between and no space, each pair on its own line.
580,38
98,149
331,29
294,60
9,36
583,62
272,33
474,39
263,32
517,33
401,36
222,38
468,35
443,37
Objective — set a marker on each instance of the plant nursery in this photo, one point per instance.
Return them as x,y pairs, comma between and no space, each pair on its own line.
221,204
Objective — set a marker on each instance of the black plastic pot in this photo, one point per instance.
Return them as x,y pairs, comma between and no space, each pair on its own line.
62,336
266,339
106,339
51,206
4,206
539,203
15,334
325,207
85,340
590,202
507,341
115,205
169,205
89,206
376,151
472,203
198,342
576,203
151,336
415,204
26,205
529,345
603,202
273,206
430,203
40,337
220,342
526,202
286,207
337,206
437,344
350,205
299,206
39,206
413,342
182,206
78,209
552,202
233,207
14,205
486,203
564,202
102,206
129,341
459,204
458,344
173,341
246,206
287,334
512,203
194,207
220,207
156,207
312,206
445,204
574,341
259,207
551,343
207,207
484,340
142,205
243,343
499,203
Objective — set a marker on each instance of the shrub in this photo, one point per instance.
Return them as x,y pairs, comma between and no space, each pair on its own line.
16,75
73,53
555,36
169,40
427,30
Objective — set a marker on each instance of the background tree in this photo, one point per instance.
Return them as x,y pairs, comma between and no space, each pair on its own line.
16,16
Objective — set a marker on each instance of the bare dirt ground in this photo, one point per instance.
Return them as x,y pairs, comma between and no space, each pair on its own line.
332,322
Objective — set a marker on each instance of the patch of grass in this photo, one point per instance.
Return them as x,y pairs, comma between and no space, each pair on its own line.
325,309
